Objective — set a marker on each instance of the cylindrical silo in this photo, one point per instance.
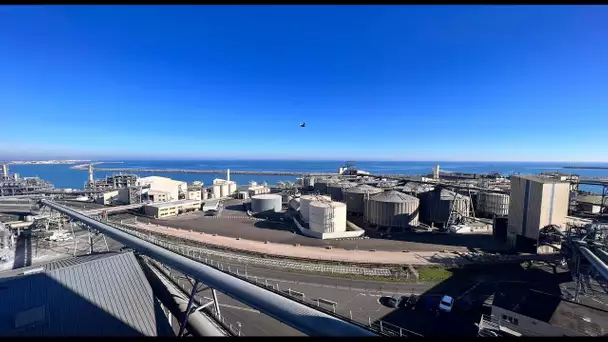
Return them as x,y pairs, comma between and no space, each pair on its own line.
356,196
224,190
327,217
216,191
386,185
437,205
493,203
266,202
231,187
392,209
204,194
309,182
336,190
286,197
321,184
305,202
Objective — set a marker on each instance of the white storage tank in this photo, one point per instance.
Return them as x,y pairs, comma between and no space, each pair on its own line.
493,203
295,204
224,190
216,191
231,188
327,217
392,209
356,196
305,203
336,190
266,202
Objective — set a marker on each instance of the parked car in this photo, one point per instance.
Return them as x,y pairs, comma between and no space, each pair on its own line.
446,304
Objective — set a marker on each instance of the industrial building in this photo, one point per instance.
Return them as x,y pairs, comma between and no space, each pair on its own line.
14,185
321,184
356,196
591,204
527,312
172,208
535,202
118,196
172,189
96,295
392,209
266,202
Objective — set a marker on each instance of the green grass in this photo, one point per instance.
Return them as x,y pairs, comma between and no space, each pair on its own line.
433,274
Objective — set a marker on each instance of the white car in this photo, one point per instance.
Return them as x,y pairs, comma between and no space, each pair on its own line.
446,304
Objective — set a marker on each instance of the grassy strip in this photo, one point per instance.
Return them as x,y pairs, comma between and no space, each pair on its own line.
433,274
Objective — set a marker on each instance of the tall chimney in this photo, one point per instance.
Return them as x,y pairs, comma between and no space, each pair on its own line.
228,175
90,173
4,170
436,172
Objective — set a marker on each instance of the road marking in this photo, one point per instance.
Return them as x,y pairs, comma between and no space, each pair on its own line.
235,306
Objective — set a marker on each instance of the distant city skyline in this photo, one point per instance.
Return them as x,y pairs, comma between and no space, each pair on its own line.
402,83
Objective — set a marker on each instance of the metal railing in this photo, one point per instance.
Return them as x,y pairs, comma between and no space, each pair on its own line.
297,315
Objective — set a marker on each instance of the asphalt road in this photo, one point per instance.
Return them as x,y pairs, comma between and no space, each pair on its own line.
232,223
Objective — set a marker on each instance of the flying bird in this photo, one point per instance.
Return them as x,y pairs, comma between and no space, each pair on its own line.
303,124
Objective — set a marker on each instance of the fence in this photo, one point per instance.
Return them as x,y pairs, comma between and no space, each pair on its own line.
200,254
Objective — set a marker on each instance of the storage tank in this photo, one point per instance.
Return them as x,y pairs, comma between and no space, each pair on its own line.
392,209
224,190
231,188
356,196
305,203
435,206
309,182
204,194
321,184
295,204
327,217
386,185
415,189
336,190
266,202
216,191
493,204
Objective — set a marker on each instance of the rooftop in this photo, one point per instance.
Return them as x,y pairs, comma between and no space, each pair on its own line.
98,295
544,180
174,203
552,309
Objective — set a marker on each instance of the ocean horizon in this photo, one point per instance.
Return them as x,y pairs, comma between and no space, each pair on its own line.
62,176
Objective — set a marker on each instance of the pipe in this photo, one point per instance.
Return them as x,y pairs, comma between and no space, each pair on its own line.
602,254
596,262
197,323
299,316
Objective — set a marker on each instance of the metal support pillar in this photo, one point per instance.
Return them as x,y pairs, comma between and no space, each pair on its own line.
216,304
182,326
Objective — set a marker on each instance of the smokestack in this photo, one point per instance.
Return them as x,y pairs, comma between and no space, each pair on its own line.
4,170
90,173
436,172
228,175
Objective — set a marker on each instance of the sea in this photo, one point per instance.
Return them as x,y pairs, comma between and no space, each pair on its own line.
62,176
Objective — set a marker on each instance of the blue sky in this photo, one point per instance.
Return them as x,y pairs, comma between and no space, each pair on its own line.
502,83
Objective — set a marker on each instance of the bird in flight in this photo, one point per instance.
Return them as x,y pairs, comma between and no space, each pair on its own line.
303,124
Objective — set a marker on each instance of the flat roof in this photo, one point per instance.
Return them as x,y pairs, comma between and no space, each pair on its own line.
544,180
174,203
552,309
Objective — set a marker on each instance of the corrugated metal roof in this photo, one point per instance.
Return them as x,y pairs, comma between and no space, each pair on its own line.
108,296
394,196
363,189
56,264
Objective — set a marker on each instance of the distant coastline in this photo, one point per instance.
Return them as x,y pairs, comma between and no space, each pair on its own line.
45,162
580,167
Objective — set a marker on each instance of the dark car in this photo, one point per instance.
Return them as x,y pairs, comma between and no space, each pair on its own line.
410,302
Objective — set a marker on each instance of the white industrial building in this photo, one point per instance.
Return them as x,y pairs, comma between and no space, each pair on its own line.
194,194
120,196
163,185
173,208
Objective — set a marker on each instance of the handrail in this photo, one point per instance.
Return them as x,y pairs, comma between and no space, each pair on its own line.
301,317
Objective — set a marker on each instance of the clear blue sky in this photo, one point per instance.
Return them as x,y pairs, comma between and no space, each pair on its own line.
386,82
